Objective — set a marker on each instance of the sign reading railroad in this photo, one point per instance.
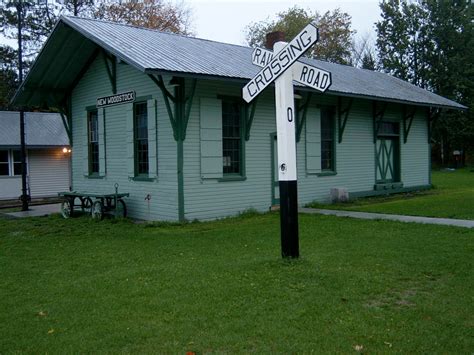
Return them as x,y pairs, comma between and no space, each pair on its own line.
123,98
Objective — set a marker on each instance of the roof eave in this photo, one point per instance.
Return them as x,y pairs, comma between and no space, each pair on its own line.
302,88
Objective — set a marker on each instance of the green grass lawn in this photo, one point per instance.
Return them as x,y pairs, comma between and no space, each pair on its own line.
452,197
83,286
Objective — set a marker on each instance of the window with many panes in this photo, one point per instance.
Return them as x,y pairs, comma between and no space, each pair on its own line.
328,142
140,116
231,137
10,162
93,127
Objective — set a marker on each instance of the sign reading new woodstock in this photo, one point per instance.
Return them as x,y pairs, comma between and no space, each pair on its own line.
305,74
281,62
122,98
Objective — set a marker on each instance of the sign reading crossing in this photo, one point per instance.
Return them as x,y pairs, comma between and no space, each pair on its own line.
281,66
304,74
281,62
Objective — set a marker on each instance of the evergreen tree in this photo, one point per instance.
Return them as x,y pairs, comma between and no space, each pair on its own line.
8,76
430,44
368,61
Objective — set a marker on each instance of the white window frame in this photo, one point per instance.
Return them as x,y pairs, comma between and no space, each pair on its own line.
11,169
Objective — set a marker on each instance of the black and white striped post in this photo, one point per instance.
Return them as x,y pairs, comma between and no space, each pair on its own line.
275,69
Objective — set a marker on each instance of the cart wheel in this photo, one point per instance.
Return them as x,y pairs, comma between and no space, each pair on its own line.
97,210
120,209
66,208
86,205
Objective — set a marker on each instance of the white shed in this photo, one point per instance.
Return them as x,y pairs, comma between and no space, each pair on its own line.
48,155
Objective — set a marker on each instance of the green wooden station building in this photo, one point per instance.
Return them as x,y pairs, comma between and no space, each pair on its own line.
162,115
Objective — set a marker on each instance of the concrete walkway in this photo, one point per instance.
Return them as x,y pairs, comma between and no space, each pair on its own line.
392,217
36,211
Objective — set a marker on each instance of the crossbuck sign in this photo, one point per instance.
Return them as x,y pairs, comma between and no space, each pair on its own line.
282,67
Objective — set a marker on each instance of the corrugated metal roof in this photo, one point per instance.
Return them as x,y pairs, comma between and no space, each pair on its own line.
151,50
41,129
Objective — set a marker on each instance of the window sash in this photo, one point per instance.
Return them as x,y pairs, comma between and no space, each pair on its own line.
140,127
93,127
4,163
16,159
328,140
10,162
231,138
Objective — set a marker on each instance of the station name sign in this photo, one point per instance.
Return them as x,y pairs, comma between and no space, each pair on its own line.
122,98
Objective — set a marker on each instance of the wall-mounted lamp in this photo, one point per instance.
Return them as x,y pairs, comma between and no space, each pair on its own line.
66,150
174,82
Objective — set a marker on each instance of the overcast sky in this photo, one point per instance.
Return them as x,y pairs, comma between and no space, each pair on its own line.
225,20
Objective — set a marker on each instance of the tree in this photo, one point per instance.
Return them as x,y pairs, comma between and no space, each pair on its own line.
430,44
363,53
368,61
335,34
402,39
79,7
155,14
39,21
8,76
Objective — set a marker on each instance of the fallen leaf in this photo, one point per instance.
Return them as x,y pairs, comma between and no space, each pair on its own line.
358,347
42,313
51,331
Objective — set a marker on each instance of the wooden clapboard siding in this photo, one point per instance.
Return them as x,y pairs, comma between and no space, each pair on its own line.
212,198
355,165
163,190
415,154
10,187
49,172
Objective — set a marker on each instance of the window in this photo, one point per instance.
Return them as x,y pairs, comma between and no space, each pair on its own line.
93,126
140,119
231,138
388,129
328,147
16,155
10,163
4,163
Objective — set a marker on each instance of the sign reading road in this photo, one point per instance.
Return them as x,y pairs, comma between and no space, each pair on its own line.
281,66
122,98
281,62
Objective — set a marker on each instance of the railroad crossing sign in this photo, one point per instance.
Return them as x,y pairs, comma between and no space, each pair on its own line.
304,74
281,66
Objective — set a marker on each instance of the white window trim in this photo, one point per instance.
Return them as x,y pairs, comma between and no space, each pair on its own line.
11,165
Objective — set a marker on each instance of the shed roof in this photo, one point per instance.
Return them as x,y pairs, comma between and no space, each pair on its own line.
42,130
75,40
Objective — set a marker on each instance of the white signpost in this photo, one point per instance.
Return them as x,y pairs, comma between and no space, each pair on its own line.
281,67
